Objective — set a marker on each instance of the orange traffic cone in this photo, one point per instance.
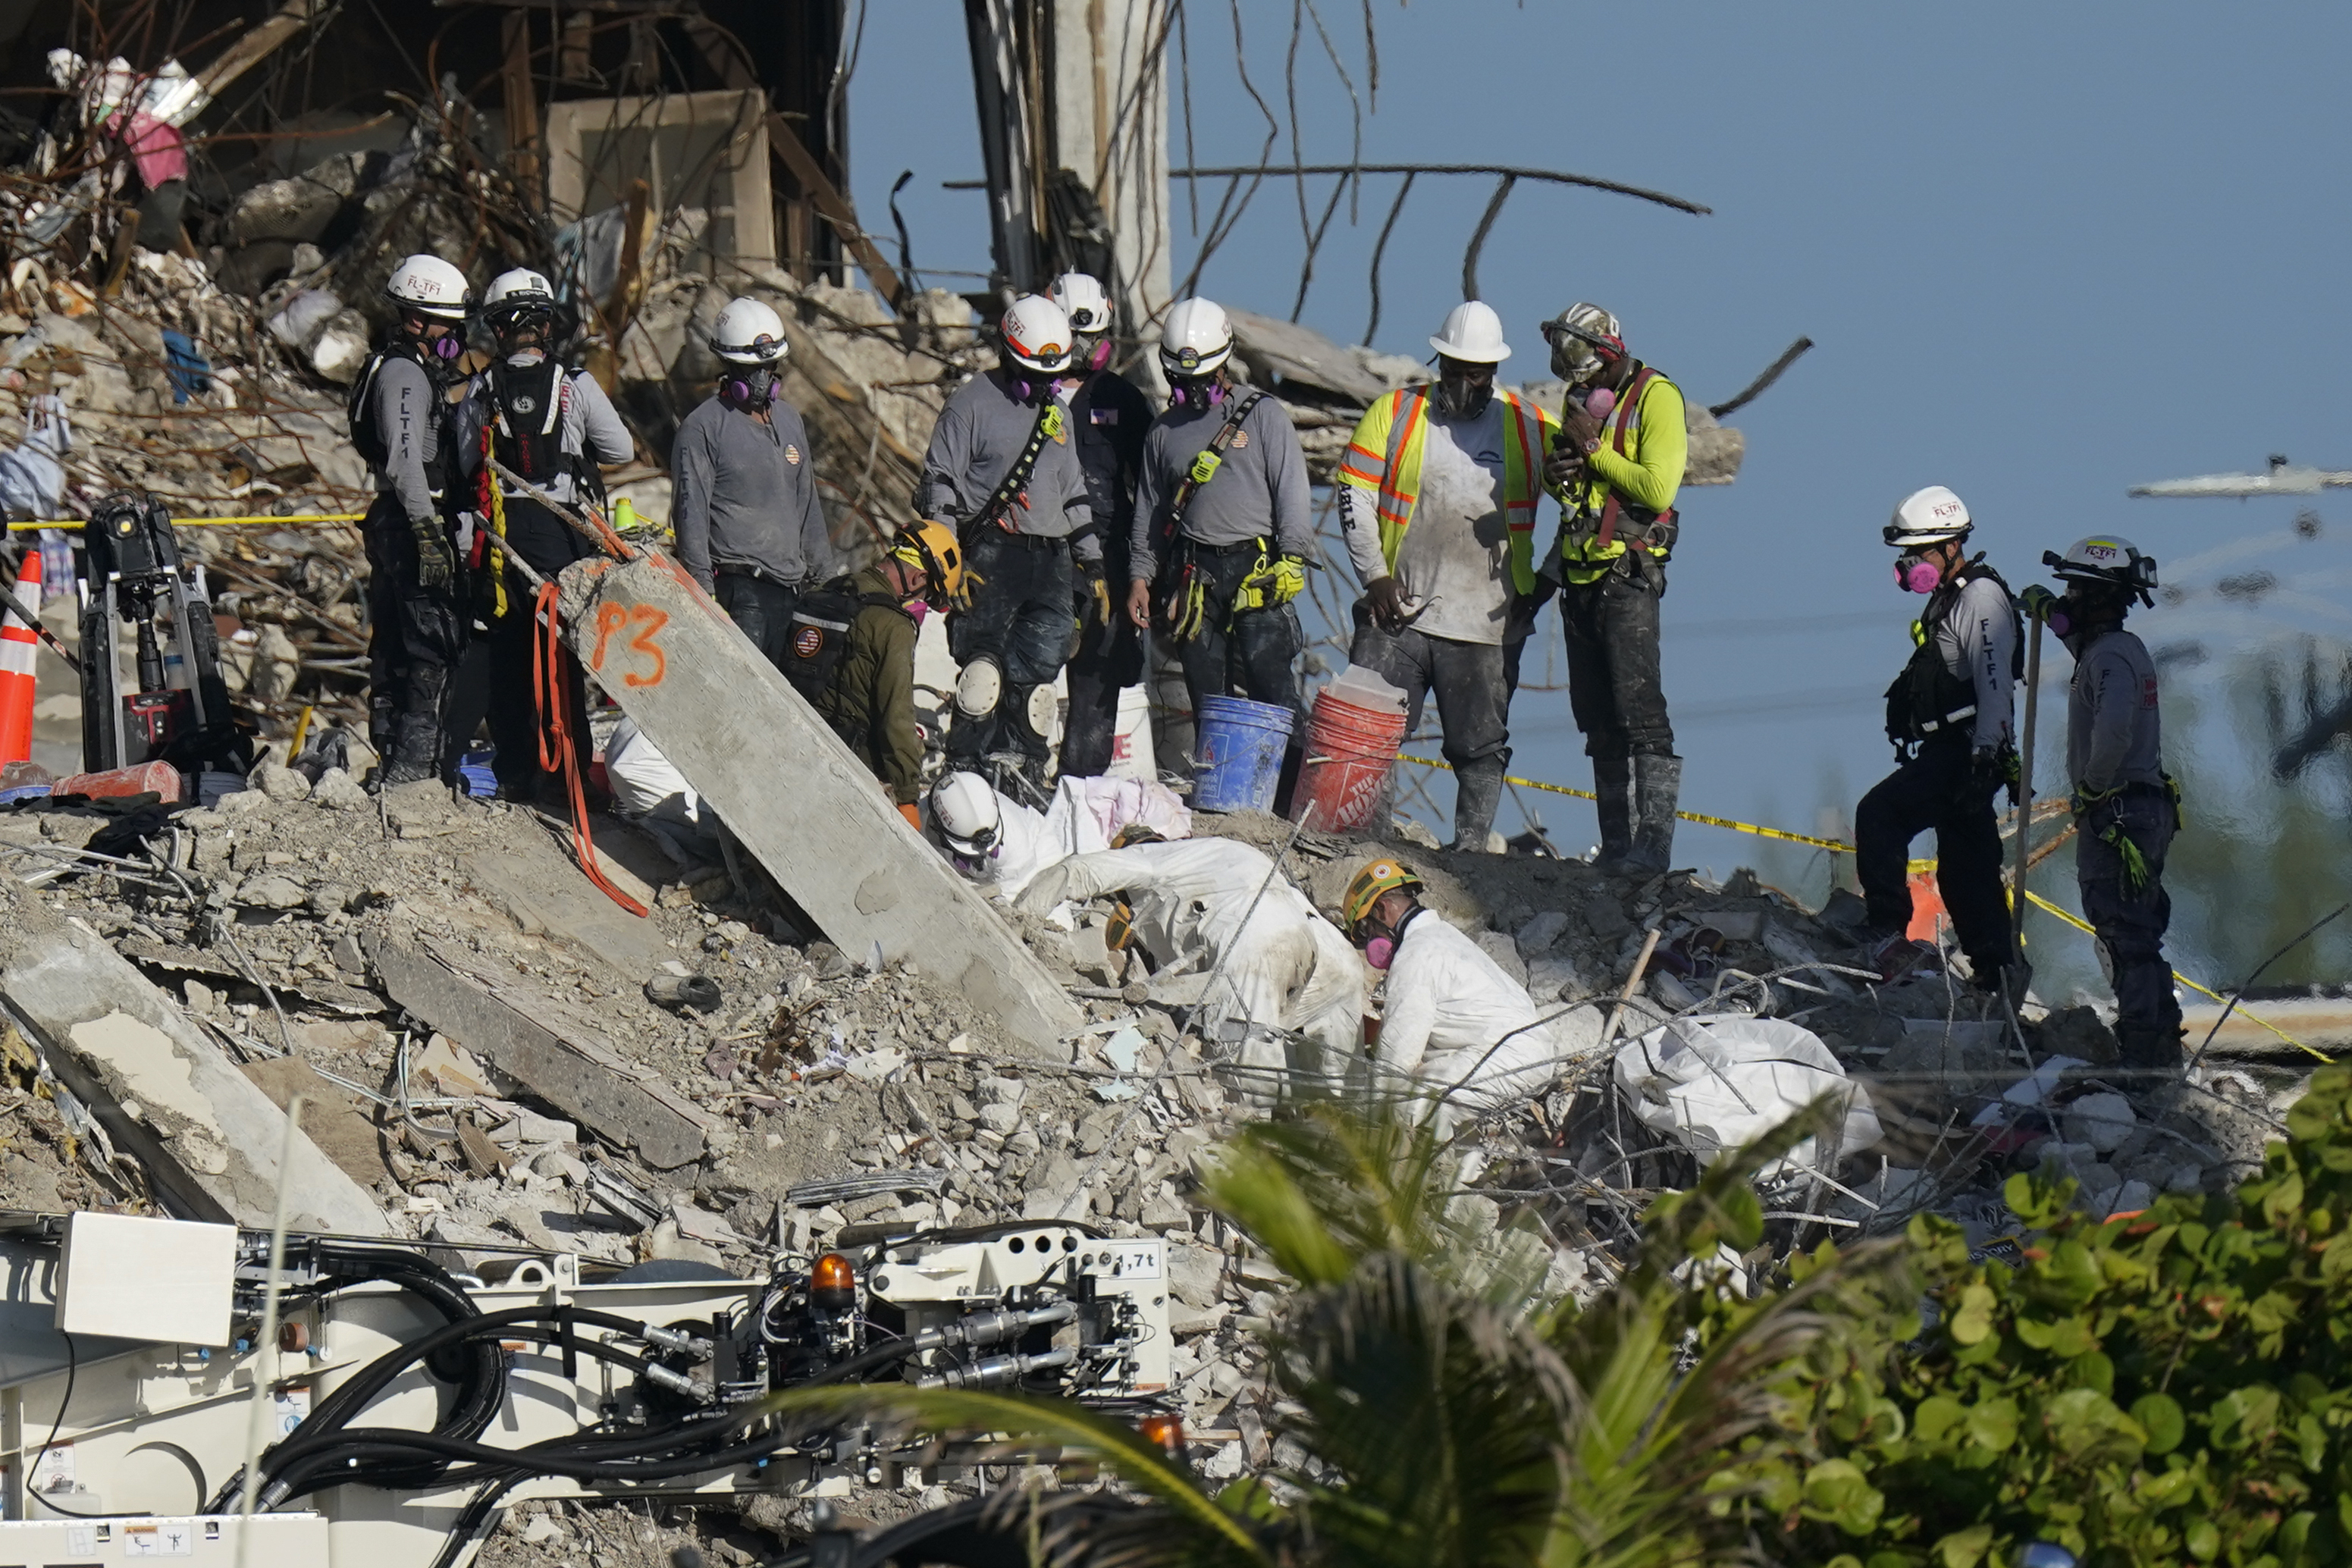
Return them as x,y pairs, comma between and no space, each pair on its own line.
18,650
1926,907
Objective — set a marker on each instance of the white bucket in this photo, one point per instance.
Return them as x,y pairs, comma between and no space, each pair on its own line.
1131,756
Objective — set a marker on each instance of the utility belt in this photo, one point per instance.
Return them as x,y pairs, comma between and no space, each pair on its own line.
1029,541
1928,727
1183,593
760,573
1648,538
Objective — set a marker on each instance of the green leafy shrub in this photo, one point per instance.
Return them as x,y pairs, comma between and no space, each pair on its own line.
2171,1388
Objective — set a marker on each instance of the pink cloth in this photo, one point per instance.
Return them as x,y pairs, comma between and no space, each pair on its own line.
155,146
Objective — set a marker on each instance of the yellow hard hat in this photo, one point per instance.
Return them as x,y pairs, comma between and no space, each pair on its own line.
1366,888
933,547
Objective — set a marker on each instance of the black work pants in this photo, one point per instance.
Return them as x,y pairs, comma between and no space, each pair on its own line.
1110,660
761,609
1469,678
417,636
1933,790
1020,616
1252,652
1614,687
2130,927
495,679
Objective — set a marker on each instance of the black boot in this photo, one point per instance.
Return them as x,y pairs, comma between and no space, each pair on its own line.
1657,789
1612,783
2155,1050
1477,790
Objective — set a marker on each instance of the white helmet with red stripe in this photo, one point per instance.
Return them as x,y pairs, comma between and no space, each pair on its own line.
1036,334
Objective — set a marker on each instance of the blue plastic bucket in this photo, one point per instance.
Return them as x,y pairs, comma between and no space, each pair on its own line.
1239,748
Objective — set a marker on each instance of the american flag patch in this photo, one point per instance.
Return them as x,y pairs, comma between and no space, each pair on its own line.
1102,415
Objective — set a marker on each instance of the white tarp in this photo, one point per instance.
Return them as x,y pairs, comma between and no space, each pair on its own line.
1718,1082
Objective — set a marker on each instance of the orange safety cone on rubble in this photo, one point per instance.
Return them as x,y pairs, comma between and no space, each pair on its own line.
19,647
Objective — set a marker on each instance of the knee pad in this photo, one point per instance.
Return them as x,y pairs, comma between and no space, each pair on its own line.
1033,711
979,688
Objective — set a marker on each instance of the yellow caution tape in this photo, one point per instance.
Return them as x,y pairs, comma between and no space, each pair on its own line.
74,522
1761,832
1916,868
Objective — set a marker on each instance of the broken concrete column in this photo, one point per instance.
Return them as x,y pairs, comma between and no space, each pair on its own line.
164,1092
797,797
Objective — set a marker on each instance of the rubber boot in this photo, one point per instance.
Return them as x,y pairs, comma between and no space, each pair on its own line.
1477,790
416,728
1657,788
1612,785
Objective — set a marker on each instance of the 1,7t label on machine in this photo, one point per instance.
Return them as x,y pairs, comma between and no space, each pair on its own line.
1135,1260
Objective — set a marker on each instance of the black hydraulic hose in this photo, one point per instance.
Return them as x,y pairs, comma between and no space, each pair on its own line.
293,1466
369,1381
393,1441
474,1520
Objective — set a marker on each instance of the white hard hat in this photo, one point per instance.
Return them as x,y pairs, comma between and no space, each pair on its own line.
515,293
1579,336
1082,298
1929,516
2105,559
1195,339
965,811
1036,331
749,333
1472,333
430,287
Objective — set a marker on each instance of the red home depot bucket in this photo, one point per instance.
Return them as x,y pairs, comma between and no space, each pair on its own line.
1351,758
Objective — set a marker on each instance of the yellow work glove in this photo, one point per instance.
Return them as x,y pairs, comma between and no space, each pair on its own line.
2135,864
1188,607
1272,581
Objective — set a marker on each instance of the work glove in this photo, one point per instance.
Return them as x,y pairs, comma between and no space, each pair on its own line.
1188,607
1100,591
1271,582
2135,864
436,563
2084,799
2037,602
1990,767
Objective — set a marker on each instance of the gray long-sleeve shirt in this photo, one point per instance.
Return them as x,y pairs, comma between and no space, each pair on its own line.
2113,734
1977,642
408,422
1259,488
587,425
743,495
979,435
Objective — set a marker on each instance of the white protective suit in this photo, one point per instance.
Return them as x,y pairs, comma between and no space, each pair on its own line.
1081,819
1448,1003
1288,968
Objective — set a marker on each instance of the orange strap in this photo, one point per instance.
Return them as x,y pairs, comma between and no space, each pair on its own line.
550,686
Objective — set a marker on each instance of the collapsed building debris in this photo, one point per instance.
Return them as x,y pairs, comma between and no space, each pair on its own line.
500,1066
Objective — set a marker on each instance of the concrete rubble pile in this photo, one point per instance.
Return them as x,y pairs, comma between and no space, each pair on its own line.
472,1024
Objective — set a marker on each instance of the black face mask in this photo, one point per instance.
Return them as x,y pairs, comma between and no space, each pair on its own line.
1461,399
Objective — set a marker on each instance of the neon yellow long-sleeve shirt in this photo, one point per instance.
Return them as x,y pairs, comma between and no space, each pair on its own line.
1648,474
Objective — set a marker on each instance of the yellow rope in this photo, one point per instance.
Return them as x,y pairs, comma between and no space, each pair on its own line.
1916,868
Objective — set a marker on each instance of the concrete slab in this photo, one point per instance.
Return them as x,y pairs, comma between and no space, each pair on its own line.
330,1120
547,1047
542,890
793,794
164,1091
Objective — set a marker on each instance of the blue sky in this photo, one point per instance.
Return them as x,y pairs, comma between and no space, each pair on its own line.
2045,252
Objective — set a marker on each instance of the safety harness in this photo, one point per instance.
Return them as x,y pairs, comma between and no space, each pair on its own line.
1927,699
1657,530
368,441
1186,608
1015,486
